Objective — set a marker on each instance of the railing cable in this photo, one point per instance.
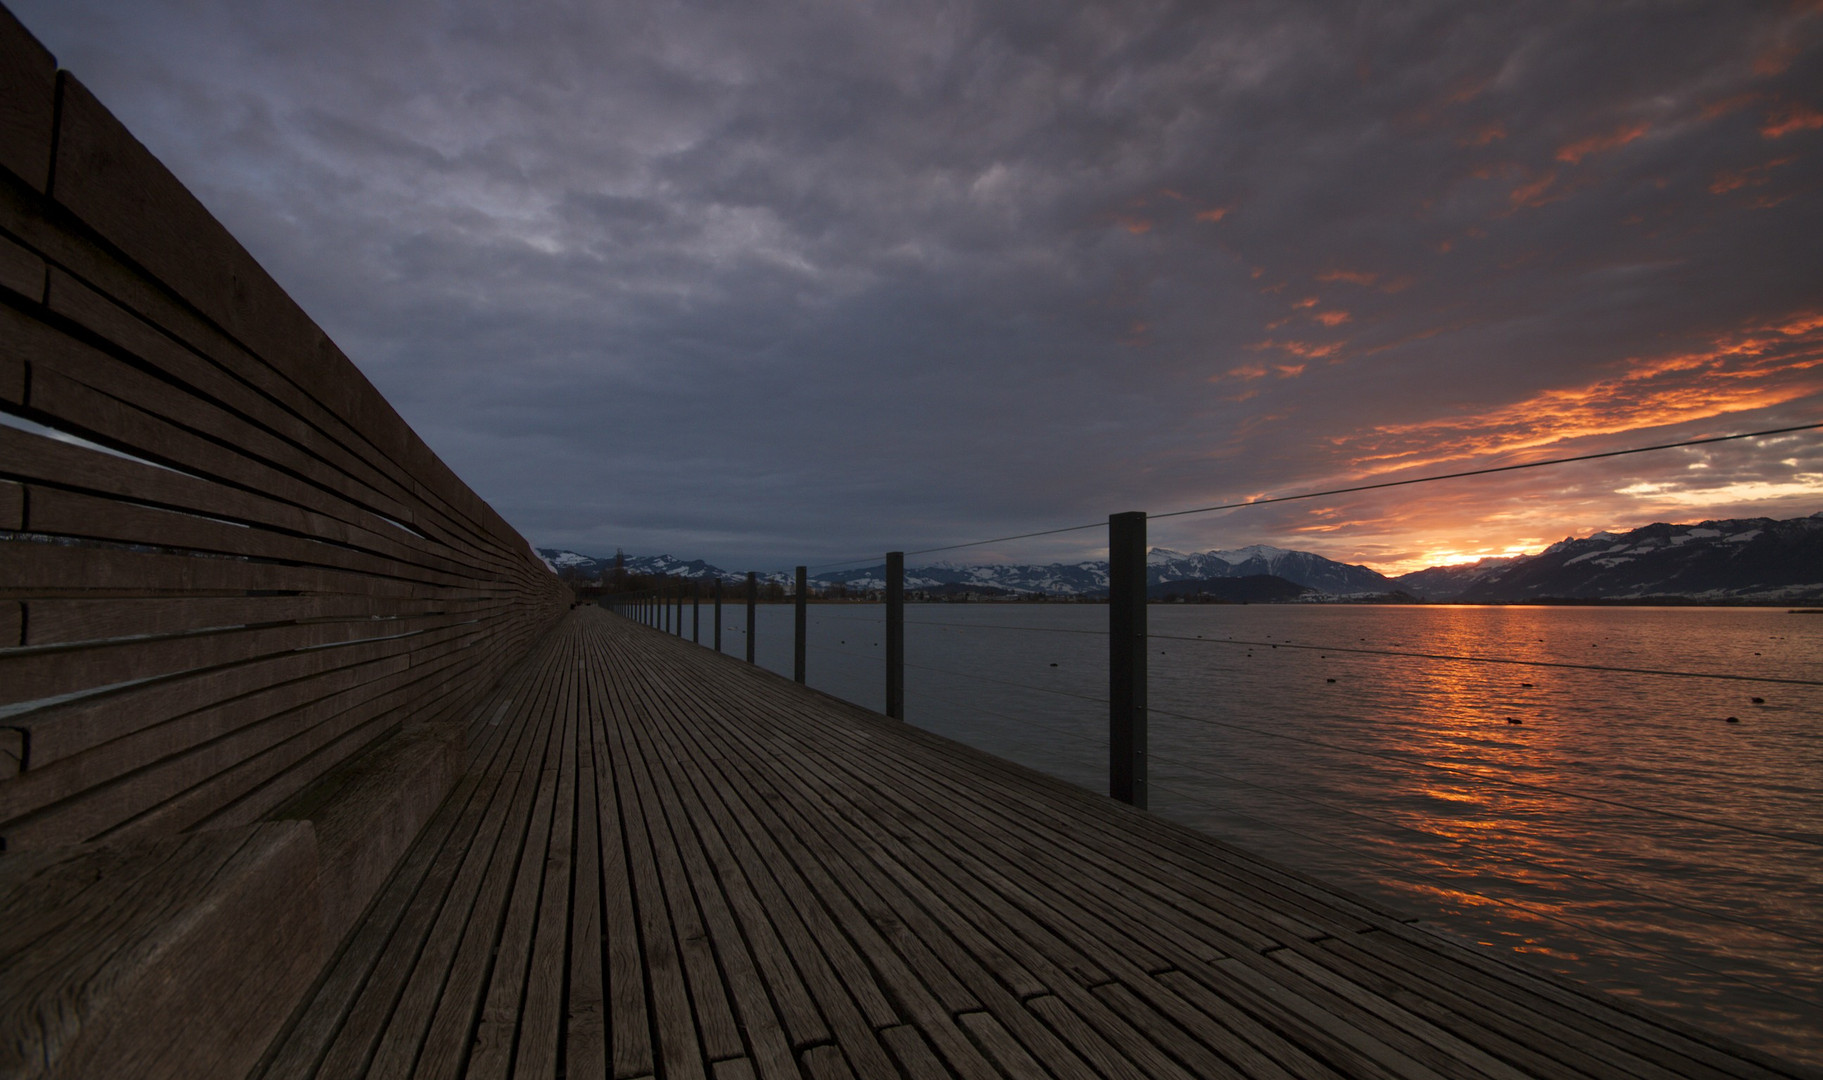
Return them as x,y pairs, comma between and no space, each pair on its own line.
1352,489
1650,811
1493,660
1405,871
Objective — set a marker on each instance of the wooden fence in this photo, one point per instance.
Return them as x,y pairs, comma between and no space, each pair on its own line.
244,611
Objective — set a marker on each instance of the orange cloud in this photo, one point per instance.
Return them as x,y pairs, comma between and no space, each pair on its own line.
1752,176
1248,371
1353,277
1483,135
1213,215
1134,225
1533,194
1756,367
1331,318
1305,350
1791,119
1775,60
1289,371
1307,302
1573,153
1728,104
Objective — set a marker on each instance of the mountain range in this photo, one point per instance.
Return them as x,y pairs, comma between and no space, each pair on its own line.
1736,559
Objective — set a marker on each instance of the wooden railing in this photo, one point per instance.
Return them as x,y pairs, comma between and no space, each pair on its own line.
244,611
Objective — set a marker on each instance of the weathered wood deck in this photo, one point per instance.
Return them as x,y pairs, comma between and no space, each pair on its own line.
663,862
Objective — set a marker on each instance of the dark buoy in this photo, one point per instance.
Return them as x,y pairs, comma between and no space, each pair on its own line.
1759,701
1527,685
1514,720
1329,680
1053,665
1734,720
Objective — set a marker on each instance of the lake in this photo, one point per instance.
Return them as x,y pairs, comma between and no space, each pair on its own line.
1609,825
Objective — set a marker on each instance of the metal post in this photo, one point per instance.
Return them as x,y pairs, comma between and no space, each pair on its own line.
680,611
1127,658
797,630
895,634
753,597
718,614
696,613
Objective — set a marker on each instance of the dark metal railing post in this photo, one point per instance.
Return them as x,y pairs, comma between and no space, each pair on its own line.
753,597
664,612
718,614
696,613
895,634
1127,658
680,611
797,630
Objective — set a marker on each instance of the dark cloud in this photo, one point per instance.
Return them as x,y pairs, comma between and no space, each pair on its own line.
769,283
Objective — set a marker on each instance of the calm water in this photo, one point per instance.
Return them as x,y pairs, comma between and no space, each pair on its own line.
1622,833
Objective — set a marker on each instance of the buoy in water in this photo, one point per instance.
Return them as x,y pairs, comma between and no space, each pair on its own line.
1759,701
1329,680
1514,720
1734,720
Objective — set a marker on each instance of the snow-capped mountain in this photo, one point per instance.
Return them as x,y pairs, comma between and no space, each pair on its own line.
1447,582
1053,579
1304,568
1736,559
1732,559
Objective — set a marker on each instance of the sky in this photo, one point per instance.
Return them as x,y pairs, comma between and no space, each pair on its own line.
776,283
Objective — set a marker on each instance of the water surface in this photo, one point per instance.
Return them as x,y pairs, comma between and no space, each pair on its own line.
1610,825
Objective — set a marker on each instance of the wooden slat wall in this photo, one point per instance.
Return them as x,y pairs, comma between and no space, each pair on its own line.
249,569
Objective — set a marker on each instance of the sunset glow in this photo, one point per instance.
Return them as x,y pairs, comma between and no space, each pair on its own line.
766,290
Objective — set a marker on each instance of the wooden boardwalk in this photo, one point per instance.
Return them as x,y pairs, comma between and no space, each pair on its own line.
663,862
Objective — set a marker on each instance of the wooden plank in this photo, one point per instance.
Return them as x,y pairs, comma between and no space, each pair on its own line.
388,992
45,570
824,1063
368,811
452,1025
1508,1029
720,889
12,752
669,1008
188,953
57,512
1572,1016
295,1054
61,621
585,1025
211,701
36,674
12,624
512,981
972,920
28,88
1206,1047
21,269
293,444
423,1032
1150,870
833,974
1057,1055
629,1020
12,506
118,188
917,986
13,371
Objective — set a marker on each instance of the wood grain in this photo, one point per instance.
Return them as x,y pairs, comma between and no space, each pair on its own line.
752,879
